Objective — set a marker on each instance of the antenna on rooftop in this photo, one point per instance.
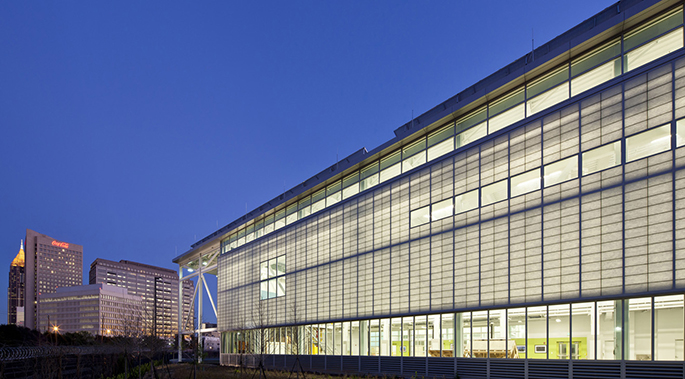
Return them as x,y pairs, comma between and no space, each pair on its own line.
532,39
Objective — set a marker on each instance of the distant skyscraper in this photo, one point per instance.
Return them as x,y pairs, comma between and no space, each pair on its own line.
97,309
15,290
156,285
50,264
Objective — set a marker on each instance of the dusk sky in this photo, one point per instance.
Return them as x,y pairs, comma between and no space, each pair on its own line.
137,128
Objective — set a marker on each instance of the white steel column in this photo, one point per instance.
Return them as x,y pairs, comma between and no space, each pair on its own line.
199,312
180,313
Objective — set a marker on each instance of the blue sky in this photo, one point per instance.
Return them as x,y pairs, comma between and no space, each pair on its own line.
136,128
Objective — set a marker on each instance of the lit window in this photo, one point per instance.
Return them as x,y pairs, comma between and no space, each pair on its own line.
442,209
368,176
466,201
414,161
272,278
526,182
602,158
561,171
546,82
473,134
494,192
420,216
680,140
648,143
654,50
552,97
441,149
507,118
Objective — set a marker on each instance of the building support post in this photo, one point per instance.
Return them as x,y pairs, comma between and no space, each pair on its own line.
180,313
199,313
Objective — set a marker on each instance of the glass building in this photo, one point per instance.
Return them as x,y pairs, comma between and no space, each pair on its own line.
532,226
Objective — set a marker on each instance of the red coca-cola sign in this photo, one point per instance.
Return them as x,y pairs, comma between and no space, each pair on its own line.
63,245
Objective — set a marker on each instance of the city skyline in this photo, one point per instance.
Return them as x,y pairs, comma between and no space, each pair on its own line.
109,118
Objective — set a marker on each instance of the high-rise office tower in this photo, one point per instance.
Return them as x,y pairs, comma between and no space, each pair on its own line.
156,285
50,264
15,290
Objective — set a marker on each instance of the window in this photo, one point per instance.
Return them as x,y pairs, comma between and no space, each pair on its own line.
272,278
350,185
652,29
602,158
369,176
470,135
420,216
507,118
440,135
441,149
548,99
442,209
648,143
390,166
680,131
592,74
546,82
561,171
654,50
596,57
494,192
413,155
466,201
526,182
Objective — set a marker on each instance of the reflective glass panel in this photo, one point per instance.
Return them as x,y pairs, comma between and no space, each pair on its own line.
526,182
546,82
516,339
497,330
442,209
396,337
506,102
583,330
638,327
368,182
680,130
414,161
596,77
648,143
668,328
407,336
654,50
652,29
420,216
560,344
466,201
433,335
609,329
385,337
390,172
447,322
354,337
473,134
471,119
602,158
281,286
420,329
547,99
537,332
561,171
480,330
441,135
375,337
596,57
441,149
494,192
507,118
